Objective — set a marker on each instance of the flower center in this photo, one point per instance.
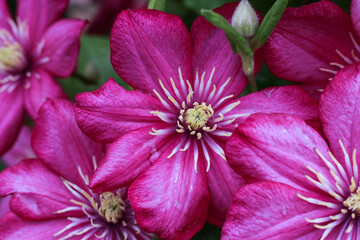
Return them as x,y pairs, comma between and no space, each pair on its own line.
197,117
353,202
11,53
112,207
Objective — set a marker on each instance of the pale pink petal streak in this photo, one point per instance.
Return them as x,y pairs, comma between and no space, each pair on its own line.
40,14
112,111
42,86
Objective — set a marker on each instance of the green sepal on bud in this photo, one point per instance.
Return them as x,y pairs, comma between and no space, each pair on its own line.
245,20
157,4
238,43
268,24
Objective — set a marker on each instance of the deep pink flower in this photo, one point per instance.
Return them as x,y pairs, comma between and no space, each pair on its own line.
50,195
168,134
33,50
316,190
21,148
19,151
311,43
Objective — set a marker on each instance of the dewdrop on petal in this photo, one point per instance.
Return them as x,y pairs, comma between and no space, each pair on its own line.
244,19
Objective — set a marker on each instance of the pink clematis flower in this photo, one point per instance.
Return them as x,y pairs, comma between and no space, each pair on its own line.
21,148
312,43
33,50
315,193
50,195
19,151
168,134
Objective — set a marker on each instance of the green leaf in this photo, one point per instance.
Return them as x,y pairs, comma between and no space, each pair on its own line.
219,21
268,24
157,4
197,5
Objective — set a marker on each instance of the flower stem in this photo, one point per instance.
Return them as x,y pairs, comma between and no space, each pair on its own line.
248,66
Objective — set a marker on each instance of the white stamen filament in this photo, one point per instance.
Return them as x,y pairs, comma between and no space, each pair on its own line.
345,191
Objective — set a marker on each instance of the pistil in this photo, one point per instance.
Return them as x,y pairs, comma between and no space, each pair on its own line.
111,207
353,202
11,53
197,117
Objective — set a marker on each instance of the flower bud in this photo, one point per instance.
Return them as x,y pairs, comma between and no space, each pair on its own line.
244,19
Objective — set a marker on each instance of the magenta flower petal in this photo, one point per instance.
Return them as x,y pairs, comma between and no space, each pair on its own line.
127,158
4,205
355,15
314,89
271,211
46,186
60,144
285,99
62,46
106,118
147,45
223,183
4,14
14,228
166,207
43,86
211,48
276,147
317,34
40,14
339,109
21,149
12,114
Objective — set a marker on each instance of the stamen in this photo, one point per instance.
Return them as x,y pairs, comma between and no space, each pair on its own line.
218,94
208,84
356,45
222,100
182,82
162,101
346,59
337,65
168,94
318,202
328,70
163,116
112,206
177,93
356,58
